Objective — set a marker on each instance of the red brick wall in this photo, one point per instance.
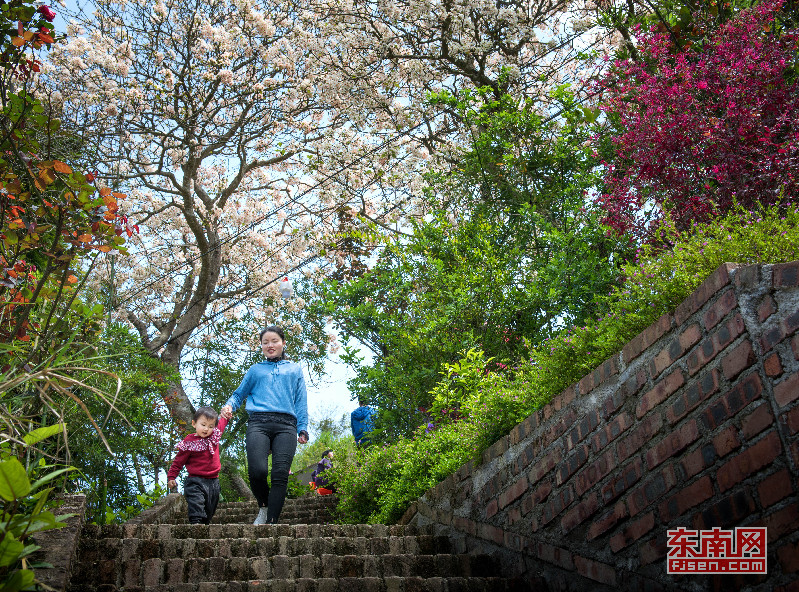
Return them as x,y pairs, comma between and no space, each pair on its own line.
694,423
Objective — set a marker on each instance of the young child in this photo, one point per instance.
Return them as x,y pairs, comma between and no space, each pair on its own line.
199,453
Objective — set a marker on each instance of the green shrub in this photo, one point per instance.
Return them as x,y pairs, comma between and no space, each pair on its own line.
379,483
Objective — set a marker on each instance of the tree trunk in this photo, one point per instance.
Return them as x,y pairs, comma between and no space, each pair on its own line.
236,480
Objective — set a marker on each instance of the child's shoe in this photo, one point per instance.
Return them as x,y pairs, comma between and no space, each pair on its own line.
261,517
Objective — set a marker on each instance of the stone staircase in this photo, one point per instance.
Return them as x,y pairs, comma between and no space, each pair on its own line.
304,553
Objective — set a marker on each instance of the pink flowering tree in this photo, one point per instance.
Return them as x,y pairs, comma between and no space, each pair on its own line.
703,125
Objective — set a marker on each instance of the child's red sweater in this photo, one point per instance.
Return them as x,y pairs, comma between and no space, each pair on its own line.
200,456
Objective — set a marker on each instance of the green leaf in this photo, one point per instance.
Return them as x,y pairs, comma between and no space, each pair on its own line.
19,580
49,477
40,434
14,482
10,550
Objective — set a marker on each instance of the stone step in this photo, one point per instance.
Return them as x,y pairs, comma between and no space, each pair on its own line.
95,550
290,517
368,584
247,531
310,502
155,572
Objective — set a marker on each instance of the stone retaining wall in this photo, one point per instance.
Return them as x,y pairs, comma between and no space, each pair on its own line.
695,423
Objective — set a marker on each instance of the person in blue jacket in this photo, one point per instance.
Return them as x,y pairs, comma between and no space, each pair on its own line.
277,404
362,422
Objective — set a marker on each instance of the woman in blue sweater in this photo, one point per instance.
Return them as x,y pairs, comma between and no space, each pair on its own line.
278,418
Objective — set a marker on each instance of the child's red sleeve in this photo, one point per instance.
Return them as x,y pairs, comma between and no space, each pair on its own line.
180,461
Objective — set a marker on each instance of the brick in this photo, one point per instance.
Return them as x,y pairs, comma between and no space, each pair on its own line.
491,508
605,370
595,570
612,429
709,288
672,444
795,347
749,461
632,533
534,498
607,521
560,427
774,488
579,513
584,427
653,549
788,555
781,522
715,343
544,466
738,360
791,420
698,460
557,504
491,533
465,525
563,399
720,309
513,493
727,512
496,450
586,384
771,337
728,405
639,436
686,498
772,365
629,476
651,491
747,277
787,391
786,275
697,391
613,403
766,308
555,555
726,441
641,342
757,421
662,390
593,473
569,466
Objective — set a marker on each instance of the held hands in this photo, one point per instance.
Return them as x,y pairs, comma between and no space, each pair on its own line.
303,437
226,412
171,484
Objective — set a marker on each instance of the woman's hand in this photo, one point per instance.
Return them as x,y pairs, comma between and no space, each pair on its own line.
303,437
226,412
171,484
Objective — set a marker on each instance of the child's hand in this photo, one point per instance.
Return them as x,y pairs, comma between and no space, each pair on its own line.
226,412
171,484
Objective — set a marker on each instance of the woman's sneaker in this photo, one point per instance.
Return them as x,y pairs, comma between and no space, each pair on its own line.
261,517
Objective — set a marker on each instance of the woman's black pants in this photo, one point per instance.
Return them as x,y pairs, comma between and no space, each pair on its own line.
264,436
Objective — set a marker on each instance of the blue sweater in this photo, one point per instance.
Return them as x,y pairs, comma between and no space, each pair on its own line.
274,386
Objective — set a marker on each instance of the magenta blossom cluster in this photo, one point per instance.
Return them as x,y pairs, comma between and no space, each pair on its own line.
703,127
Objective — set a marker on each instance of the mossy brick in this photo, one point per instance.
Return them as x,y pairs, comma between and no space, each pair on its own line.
747,277
556,504
555,555
697,299
490,533
535,497
775,488
544,465
514,492
749,461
